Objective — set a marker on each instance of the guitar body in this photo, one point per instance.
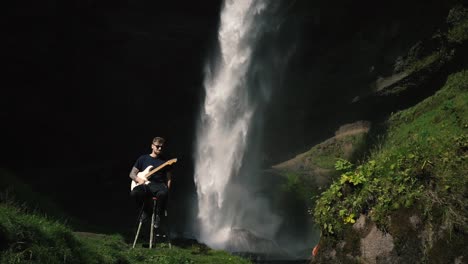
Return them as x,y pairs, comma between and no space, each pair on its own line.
148,172
141,175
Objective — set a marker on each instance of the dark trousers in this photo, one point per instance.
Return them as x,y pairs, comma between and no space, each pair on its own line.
143,193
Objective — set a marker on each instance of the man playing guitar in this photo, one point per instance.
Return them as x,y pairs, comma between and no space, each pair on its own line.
151,176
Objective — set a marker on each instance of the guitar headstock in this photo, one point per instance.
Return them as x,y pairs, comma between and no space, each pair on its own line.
171,161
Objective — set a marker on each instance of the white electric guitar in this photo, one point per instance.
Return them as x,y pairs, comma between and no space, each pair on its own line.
144,175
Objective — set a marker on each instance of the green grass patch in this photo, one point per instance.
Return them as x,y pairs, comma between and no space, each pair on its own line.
14,190
325,155
31,238
196,254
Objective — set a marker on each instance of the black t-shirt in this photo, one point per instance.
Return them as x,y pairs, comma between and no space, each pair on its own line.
146,160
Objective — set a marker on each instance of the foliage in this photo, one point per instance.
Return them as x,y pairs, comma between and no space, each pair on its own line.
421,162
343,165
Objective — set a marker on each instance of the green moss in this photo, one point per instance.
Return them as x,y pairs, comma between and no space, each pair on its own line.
458,20
352,245
405,234
450,248
295,183
299,187
325,155
424,63
346,248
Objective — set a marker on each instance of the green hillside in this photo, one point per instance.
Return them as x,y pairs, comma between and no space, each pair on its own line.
420,164
31,238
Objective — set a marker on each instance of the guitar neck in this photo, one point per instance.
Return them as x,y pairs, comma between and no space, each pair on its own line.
160,167
154,171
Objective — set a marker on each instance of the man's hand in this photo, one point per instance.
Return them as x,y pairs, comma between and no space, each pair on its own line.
139,180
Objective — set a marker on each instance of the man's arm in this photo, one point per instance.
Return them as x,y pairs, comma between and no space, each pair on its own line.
134,177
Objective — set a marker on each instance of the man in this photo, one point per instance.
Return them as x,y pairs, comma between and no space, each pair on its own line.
159,182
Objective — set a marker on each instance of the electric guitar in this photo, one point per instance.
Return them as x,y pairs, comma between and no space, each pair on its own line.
144,175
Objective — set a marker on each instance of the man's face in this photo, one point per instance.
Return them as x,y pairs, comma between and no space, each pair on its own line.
157,147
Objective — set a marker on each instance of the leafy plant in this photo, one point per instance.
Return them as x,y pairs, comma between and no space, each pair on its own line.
343,165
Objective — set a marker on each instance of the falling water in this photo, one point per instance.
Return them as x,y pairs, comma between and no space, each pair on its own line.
225,121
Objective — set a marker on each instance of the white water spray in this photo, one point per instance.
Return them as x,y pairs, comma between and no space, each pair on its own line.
225,121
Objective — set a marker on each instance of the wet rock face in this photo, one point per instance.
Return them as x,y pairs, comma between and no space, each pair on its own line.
357,127
376,246
407,239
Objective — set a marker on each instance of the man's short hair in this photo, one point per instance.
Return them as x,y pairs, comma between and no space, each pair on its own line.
159,139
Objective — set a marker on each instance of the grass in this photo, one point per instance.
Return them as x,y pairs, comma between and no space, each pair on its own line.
421,163
183,256
325,155
27,237
12,188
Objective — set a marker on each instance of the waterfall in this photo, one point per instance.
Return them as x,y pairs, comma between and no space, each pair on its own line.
225,120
